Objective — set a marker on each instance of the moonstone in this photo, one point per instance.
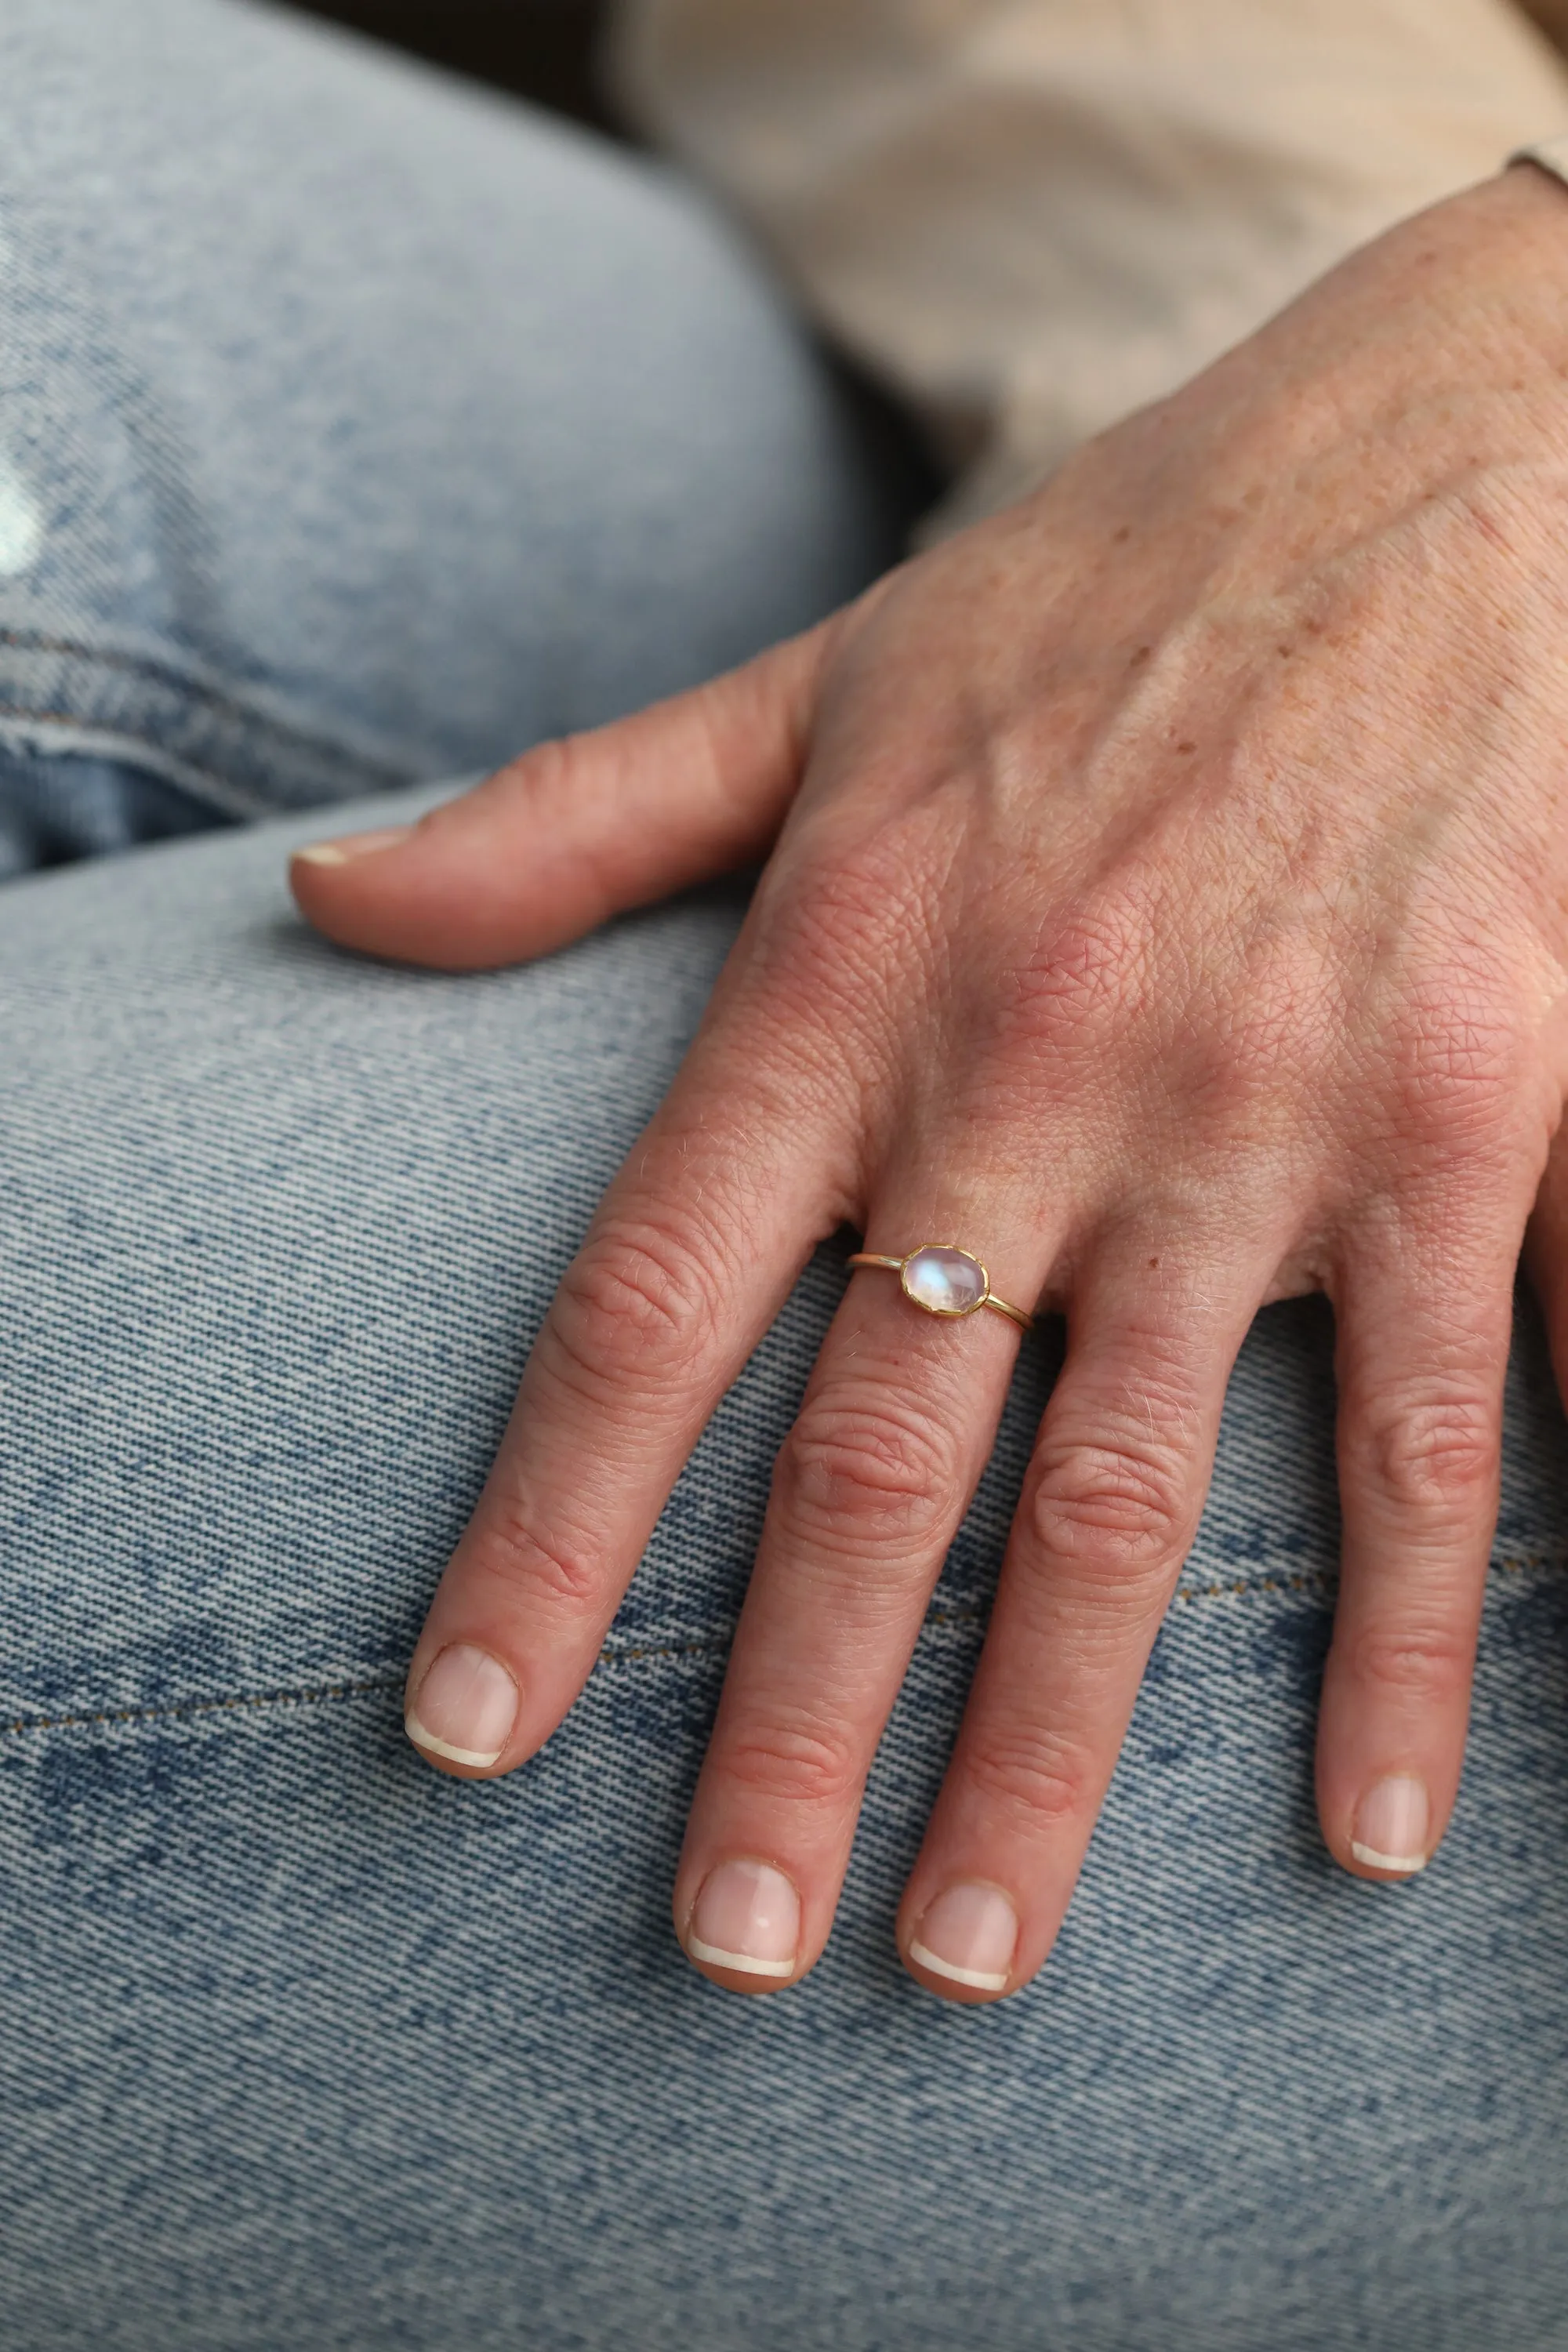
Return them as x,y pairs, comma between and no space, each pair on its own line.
945,1281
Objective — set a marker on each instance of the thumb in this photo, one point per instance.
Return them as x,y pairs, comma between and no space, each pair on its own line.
577,830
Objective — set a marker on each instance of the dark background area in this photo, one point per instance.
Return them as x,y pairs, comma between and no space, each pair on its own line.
540,49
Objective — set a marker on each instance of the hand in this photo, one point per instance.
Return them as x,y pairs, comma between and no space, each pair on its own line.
1170,904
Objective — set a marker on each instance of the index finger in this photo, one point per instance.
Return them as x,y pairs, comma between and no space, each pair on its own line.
690,1258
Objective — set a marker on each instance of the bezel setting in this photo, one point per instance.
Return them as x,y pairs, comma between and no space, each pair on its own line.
945,1249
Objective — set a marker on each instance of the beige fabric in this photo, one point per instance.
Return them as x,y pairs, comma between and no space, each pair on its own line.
1552,154
1029,216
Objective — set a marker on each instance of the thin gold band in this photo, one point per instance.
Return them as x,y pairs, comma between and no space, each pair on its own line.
987,1298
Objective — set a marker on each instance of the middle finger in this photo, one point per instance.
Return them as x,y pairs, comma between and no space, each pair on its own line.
870,1488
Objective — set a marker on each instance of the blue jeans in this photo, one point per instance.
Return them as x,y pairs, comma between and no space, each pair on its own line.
353,430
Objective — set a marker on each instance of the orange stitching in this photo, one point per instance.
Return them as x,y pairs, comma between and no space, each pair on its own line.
168,674
42,718
390,779
197,1707
1320,1584
1324,1580
609,1658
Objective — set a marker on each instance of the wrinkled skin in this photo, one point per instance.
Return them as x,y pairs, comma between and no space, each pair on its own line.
1169,902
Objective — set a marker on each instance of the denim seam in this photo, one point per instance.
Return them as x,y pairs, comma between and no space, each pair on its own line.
164,673
1323,1583
240,757
202,782
1318,1585
134,751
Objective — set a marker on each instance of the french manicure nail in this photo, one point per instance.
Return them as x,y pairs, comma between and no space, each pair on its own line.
746,1918
465,1707
968,1935
1390,1826
350,846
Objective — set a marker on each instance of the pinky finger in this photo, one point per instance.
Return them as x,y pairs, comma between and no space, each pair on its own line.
1422,1356
1546,1256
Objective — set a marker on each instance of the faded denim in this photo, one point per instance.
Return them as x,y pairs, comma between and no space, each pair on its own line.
357,429
301,2044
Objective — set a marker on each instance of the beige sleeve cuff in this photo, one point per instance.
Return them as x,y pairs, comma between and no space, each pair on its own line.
1552,154
1030,216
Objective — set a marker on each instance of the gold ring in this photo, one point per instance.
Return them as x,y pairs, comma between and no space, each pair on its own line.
944,1281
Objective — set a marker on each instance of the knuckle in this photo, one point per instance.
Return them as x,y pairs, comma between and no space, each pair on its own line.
1084,984
639,1302
1112,1506
1434,1455
795,1759
1429,1662
552,769
512,1551
1025,1775
1277,1035
844,929
1457,1051
878,1467
557,773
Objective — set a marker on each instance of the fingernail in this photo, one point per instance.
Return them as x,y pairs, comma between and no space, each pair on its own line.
747,1917
465,1705
1390,1826
351,845
969,1935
